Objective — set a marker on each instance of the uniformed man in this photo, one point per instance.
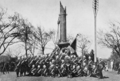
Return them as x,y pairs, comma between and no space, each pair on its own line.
18,68
38,70
33,70
90,60
90,63
79,70
119,68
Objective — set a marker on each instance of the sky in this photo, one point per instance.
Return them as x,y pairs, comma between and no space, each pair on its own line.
80,17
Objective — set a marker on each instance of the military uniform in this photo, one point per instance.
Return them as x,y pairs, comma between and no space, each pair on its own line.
17,69
119,68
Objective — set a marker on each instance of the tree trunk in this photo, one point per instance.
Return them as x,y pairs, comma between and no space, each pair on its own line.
43,49
82,57
26,48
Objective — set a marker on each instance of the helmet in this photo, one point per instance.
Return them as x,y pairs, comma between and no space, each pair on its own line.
67,64
84,57
18,58
71,56
44,66
57,57
84,63
74,56
53,61
56,52
62,65
78,67
93,66
66,51
33,65
89,57
73,66
38,66
62,61
50,62
67,57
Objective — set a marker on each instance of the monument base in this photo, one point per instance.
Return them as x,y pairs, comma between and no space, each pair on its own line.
63,44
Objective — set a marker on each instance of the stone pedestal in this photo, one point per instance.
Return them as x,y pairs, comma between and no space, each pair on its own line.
63,44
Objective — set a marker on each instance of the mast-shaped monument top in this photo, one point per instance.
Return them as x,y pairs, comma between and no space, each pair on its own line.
63,29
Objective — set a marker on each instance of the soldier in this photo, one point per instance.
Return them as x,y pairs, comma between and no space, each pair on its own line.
18,68
44,70
84,60
94,68
39,71
57,57
33,69
90,60
84,66
74,71
62,68
119,68
97,71
85,69
79,70
50,68
90,63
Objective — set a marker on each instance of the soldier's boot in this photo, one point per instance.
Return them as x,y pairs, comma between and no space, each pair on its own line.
21,73
17,73
69,76
59,75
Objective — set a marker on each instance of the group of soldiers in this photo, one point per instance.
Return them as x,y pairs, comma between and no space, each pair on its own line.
58,64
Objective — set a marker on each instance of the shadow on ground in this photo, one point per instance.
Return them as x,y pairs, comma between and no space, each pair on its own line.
105,77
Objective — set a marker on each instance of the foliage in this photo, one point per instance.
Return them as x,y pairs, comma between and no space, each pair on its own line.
111,39
7,31
42,38
83,43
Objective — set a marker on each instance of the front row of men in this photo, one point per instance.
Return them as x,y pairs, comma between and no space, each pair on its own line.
70,66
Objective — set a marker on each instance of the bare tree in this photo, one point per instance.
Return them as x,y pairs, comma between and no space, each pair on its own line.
42,38
83,43
70,38
111,39
7,28
32,44
24,31
53,36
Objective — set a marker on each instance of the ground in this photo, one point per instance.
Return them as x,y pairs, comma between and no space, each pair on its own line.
108,76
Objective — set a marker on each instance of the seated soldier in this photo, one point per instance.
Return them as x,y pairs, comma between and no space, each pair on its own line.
38,70
85,68
73,70
79,70
33,69
44,70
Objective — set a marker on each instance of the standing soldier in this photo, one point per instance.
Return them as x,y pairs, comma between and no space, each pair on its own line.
90,60
18,67
119,68
90,63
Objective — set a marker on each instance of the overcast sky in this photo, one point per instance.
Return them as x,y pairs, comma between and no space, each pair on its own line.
80,17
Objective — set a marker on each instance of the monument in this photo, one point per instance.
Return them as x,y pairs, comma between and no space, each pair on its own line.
62,43
62,31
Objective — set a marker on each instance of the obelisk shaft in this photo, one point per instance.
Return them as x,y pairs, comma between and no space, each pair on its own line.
62,16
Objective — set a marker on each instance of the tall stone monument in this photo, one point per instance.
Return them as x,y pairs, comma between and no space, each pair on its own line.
62,22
